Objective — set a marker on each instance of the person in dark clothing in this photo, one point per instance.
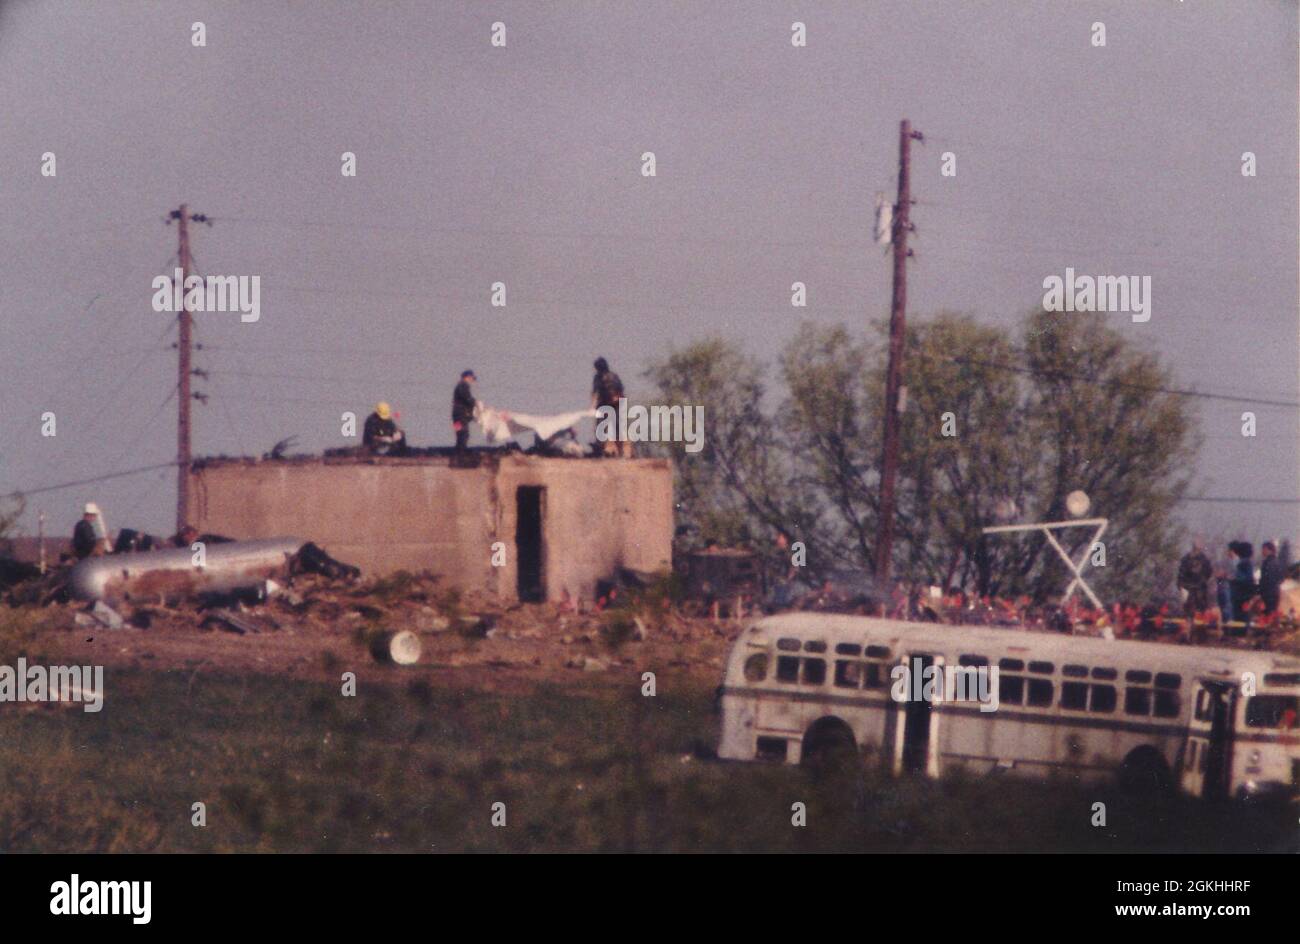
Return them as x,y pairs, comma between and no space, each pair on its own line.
462,409
607,390
185,537
381,434
1241,582
1194,573
85,536
1270,578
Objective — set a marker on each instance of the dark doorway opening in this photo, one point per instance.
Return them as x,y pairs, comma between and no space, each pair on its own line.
916,717
1217,764
530,505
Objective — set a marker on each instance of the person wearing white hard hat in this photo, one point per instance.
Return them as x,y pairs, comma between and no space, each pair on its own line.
87,537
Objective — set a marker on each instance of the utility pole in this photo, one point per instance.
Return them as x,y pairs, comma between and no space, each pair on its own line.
183,394
894,376
183,382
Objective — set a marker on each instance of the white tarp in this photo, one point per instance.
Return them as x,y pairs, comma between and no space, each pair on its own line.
500,425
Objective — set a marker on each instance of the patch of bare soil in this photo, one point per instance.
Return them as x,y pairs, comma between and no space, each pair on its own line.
316,629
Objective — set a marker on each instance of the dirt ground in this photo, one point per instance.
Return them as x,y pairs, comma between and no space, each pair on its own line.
533,706
317,629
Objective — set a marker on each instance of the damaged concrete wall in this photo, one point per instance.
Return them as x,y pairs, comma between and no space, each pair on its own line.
418,514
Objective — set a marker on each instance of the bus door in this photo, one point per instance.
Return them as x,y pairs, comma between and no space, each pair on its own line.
1207,755
916,743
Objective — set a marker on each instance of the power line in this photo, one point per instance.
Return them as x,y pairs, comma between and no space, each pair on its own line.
1263,501
23,493
1143,388
542,234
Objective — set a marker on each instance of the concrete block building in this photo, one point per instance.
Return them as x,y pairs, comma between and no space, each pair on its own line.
563,523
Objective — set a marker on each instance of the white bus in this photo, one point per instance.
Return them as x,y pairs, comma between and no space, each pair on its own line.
1217,722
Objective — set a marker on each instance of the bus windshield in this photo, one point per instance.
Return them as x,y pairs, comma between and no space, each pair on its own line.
1272,711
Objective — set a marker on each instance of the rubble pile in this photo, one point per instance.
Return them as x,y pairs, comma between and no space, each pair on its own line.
410,619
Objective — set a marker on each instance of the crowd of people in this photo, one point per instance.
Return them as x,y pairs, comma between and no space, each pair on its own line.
1233,598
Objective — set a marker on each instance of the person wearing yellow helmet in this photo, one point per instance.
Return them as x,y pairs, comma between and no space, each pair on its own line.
381,436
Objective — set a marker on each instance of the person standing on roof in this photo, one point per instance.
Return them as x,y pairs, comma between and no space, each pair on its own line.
1270,578
1241,582
381,434
88,537
462,408
1194,573
607,391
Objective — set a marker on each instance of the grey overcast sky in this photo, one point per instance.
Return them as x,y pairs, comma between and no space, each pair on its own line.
522,165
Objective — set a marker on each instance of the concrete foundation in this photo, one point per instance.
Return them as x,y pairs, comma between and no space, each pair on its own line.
562,524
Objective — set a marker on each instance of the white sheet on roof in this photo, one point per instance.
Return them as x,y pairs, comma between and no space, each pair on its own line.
500,425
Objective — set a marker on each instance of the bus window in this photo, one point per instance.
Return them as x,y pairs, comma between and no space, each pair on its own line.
1011,665
968,659
1011,688
787,668
1137,677
1103,698
848,674
788,645
1272,711
1108,675
1137,701
875,675
1074,695
1167,703
814,671
1040,692
815,645
1282,678
1074,671
756,667
848,649
877,652
1044,668
1203,704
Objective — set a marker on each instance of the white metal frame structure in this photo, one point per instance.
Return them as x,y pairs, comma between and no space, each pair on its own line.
1047,527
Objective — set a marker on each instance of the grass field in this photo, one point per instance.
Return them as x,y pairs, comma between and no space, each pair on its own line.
416,763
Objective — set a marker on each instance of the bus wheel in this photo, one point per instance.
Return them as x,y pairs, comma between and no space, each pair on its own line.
1145,773
829,745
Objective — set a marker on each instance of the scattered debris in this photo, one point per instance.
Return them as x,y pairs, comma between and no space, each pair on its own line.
477,627
230,620
106,615
15,571
228,599
399,648
311,559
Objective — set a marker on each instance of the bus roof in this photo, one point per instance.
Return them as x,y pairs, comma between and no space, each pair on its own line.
945,637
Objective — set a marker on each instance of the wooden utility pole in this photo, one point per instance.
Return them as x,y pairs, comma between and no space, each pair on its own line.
182,424
182,217
894,375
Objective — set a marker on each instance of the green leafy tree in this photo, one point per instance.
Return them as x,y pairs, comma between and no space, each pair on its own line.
992,431
9,515
738,489
1100,412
